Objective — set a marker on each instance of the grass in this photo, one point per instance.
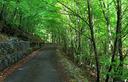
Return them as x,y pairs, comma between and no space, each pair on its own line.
75,73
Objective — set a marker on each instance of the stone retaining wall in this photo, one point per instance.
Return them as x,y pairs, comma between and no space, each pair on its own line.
11,51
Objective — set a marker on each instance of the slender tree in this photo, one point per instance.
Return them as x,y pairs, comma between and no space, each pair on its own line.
91,26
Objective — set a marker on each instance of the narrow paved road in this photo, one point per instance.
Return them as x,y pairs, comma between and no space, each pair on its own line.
40,69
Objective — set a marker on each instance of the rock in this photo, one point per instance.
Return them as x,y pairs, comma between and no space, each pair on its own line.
11,51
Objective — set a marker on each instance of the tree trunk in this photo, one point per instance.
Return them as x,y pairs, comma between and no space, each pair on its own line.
93,39
118,42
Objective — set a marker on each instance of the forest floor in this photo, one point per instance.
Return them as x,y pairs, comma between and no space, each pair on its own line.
45,65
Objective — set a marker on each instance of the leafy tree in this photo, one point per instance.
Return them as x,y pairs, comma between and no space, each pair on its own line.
87,30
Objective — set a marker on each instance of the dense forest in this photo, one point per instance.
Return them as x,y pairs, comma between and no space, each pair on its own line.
94,33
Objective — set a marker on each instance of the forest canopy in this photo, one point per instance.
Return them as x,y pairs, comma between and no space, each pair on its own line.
94,33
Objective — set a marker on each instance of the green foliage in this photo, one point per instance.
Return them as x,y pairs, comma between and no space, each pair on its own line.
66,22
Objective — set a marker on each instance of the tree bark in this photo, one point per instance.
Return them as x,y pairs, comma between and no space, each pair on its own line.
93,39
118,41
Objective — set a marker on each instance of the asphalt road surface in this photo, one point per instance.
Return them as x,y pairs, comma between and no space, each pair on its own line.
40,69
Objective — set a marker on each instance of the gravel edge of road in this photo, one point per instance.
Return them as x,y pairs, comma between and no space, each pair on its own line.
74,73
